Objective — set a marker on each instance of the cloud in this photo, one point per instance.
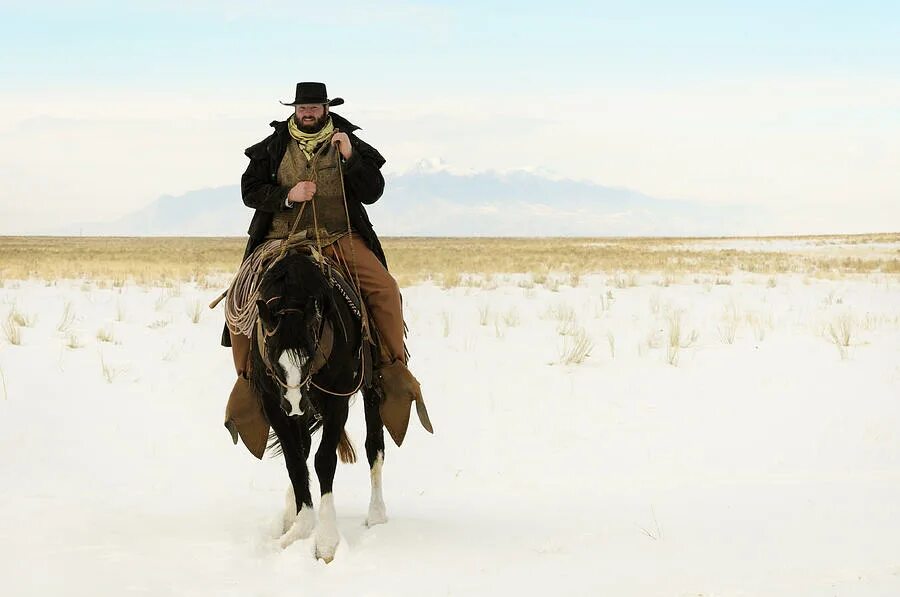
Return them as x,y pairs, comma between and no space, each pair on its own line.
823,147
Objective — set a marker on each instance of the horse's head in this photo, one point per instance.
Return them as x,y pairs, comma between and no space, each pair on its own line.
292,306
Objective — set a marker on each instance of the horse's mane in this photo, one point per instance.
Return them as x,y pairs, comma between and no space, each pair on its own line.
295,275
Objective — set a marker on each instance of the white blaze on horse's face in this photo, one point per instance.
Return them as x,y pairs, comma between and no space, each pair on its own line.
293,372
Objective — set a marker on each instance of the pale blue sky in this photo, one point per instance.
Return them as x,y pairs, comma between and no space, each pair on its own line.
441,45
778,103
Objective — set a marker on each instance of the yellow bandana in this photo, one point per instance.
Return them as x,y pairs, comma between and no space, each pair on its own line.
309,141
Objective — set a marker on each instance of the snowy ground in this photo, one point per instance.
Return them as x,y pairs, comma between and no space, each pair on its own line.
752,459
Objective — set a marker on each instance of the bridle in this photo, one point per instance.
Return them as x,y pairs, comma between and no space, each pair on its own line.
324,342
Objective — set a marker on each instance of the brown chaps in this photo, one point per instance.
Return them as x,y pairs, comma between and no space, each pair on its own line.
379,291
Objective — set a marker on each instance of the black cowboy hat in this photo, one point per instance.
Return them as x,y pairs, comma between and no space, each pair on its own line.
313,93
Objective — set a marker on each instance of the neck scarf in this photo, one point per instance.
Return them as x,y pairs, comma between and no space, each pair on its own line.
309,141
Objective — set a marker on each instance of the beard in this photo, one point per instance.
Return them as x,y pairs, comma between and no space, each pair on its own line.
313,125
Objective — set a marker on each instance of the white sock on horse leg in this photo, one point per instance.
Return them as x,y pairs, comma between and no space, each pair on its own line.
327,537
377,510
302,528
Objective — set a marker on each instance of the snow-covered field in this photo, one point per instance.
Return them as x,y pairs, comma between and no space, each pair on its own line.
717,439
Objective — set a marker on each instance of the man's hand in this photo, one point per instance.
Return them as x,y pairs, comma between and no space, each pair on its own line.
302,191
343,144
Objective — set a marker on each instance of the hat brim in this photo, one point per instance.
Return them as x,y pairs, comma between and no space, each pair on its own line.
333,102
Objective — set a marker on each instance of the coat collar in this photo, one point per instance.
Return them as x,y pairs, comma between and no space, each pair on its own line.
339,121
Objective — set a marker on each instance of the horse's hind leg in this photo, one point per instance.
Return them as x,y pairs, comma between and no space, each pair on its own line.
334,416
375,456
295,440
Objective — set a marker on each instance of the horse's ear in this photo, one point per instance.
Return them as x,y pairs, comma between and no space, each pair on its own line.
264,312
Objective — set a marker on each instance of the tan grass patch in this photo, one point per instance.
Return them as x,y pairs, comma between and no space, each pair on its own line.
167,261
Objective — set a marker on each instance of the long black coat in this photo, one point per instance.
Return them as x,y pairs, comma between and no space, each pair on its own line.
363,184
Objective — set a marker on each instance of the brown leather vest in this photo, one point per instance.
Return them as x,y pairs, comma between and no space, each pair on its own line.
327,203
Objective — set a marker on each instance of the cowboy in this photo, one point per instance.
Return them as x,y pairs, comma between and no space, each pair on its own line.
311,177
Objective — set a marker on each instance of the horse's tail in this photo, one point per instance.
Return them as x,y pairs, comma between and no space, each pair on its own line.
345,449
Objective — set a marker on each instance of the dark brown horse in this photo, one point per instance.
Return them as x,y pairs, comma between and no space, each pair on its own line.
308,357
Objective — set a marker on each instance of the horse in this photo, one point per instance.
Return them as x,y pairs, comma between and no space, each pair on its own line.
308,356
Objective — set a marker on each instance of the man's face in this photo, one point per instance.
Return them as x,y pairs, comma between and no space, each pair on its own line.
311,117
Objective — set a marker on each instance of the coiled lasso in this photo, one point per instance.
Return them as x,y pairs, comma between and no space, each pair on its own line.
241,310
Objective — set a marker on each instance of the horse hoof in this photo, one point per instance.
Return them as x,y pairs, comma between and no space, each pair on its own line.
325,554
326,544
377,515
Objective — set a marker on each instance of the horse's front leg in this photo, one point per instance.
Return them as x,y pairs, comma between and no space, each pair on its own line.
375,455
300,517
335,416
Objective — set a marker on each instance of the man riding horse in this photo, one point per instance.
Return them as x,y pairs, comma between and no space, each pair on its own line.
310,179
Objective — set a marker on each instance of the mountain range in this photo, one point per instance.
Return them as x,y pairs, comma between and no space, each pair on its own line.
432,200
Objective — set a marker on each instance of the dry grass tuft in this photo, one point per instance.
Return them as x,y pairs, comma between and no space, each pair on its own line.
451,279
840,331
109,372
760,324
527,284
511,317
12,331
666,281
625,281
21,318
73,341
567,324
576,347
677,339
67,318
105,335
499,330
159,323
604,303
194,310
484,313
728,324
446,320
